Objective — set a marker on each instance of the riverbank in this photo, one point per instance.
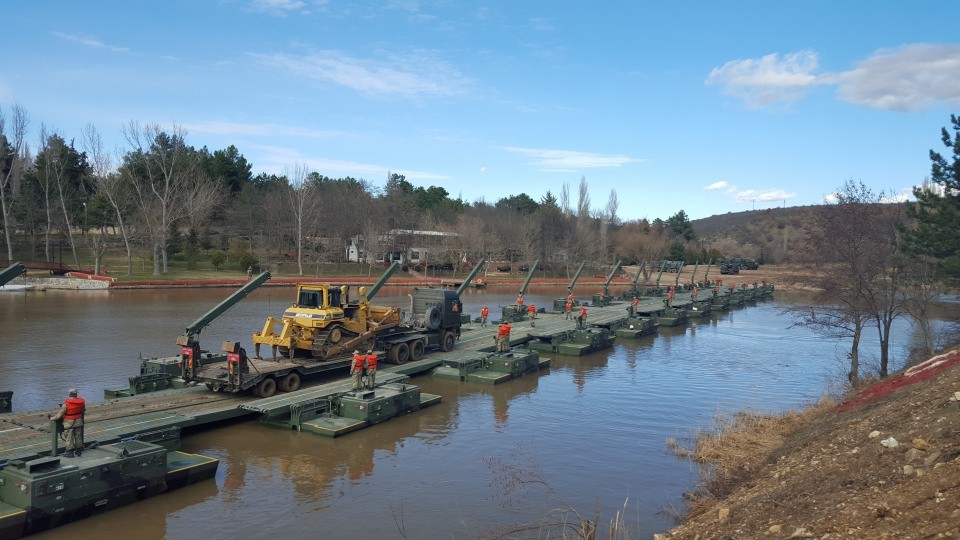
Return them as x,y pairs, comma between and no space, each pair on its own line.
792,277
883,464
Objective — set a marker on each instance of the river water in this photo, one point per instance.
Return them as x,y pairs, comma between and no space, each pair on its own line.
588,433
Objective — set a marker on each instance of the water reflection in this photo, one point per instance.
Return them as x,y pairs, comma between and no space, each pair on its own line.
593,427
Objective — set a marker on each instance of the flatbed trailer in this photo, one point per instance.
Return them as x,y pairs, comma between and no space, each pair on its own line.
265,376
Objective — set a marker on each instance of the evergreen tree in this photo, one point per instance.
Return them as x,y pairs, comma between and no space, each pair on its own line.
937,212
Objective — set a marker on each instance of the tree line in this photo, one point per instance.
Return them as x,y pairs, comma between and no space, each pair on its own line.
161,196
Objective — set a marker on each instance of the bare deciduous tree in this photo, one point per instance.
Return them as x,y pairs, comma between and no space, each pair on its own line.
11,167
162,172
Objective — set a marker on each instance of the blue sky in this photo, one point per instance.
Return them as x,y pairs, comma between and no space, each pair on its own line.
706,107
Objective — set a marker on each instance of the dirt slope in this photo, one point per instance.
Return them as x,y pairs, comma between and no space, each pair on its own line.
837,473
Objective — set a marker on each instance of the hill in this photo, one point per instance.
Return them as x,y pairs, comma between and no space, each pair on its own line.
885,464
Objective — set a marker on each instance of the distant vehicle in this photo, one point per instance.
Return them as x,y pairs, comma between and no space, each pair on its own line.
672,266
745,263
729,268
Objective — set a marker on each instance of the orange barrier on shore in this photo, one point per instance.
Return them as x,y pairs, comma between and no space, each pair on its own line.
914,374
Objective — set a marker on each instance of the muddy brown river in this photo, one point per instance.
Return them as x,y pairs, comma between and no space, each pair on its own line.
487,461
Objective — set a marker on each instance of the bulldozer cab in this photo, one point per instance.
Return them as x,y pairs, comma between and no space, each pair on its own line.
319,297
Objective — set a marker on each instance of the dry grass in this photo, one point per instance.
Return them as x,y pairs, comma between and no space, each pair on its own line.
740,444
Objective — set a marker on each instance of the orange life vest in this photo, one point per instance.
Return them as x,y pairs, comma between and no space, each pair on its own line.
635,301
503,331
358,360
520,300
583,312
75,408
371,361
484,312
569,305
532,309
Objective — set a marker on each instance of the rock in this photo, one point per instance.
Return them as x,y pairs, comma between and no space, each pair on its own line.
932,458
908,470
724,514
801,532
774,529
874,434
956,396
921,444
890,442
913,454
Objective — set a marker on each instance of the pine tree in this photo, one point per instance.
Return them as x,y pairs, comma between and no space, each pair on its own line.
937,212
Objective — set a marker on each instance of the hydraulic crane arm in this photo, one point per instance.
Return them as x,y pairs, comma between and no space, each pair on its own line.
190,334
466,282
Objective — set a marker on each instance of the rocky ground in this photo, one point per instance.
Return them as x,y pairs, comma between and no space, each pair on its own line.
885,464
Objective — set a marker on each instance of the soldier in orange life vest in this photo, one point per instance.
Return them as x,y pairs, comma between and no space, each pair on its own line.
371,368
582,319
633,305
356,368
483,315
532,311
71,412
568,312
503,337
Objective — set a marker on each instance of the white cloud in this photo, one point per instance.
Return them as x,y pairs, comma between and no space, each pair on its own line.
259,130
717,185
282,8
89,42
767,80
418,74
908,78
764,196
904,195
570,160
277,159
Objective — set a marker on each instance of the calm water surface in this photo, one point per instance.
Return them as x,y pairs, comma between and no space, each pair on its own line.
589,431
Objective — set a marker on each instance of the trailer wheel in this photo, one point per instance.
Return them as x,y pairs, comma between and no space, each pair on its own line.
290,383
416,350
267,387
400,353
448,341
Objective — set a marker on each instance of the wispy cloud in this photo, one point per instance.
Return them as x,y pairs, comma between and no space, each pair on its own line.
750,195
89,42
764,196
418,74
282,8
908,78
258,130
277,159
569,160
767,80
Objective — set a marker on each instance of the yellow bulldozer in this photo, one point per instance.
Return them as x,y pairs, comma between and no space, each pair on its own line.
324,322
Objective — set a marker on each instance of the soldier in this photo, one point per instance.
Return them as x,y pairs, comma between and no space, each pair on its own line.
503,337
356,369
371,368
633,305
71,413
520,304
532,311
484,312
582,319
568,313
